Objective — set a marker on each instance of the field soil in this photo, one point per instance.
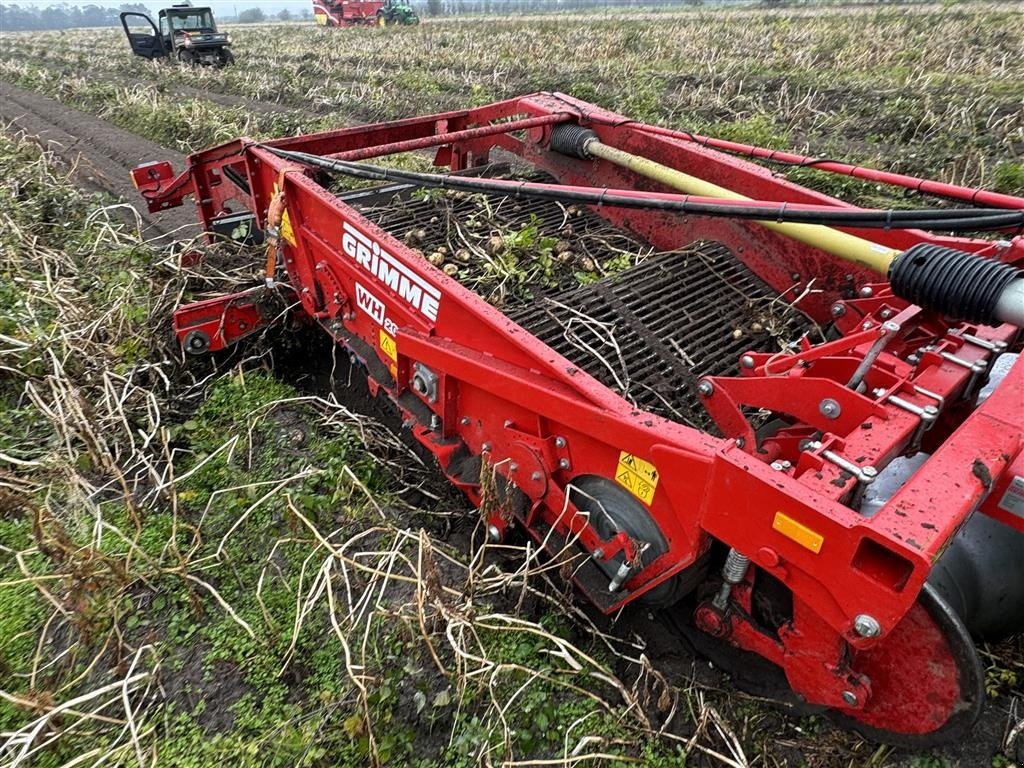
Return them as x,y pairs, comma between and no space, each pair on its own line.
101,154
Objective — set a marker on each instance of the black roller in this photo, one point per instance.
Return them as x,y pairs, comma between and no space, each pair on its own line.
571,140
959,284
979,575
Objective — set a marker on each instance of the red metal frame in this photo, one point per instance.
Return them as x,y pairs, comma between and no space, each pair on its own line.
495,391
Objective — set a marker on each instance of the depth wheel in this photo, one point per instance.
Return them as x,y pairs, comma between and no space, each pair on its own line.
927,683
926,679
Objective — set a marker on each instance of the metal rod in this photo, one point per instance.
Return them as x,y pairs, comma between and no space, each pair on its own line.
886,332
865,474
440,139
733,572
925,186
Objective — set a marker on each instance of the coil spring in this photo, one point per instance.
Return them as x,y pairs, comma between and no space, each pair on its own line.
735,567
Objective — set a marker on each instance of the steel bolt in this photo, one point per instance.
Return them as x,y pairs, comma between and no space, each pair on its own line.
868,473
464,421
866,292
850,698
536,477
563,463
838,310
885,314
560,442
866,626
513,467
507,423
435,422
747,361
598,553
486,447
706,388
829,408
493,533
740,442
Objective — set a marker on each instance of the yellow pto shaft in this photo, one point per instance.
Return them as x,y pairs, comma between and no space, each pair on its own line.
845,246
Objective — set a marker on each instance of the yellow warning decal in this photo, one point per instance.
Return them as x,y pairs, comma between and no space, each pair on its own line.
798,532
285,227
388,346
637,476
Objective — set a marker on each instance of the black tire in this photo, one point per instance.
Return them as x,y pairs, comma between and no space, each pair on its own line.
186,57
226,58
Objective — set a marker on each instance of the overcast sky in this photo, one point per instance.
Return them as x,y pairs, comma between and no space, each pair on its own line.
226,7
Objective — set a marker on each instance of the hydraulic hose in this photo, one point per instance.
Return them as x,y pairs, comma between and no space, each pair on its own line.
955,220
910,183
957,283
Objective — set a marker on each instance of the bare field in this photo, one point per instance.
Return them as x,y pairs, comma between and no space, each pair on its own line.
237,561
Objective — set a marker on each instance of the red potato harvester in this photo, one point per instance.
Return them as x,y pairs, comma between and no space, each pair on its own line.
839,515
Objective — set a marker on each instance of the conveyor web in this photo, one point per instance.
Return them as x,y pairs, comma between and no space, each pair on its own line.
648,333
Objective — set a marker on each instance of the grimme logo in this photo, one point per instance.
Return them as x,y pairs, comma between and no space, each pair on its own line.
417,292
370,304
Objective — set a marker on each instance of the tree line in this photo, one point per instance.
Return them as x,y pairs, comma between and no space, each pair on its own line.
455,7
14,18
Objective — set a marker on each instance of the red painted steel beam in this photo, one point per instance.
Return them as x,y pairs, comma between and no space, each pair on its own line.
441,139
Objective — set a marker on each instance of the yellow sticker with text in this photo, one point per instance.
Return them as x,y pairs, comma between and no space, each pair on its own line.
637,476
388,346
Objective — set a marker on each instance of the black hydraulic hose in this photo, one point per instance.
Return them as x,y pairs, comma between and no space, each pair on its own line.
954,220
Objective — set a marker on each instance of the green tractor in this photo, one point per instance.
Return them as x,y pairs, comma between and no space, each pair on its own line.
396,12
